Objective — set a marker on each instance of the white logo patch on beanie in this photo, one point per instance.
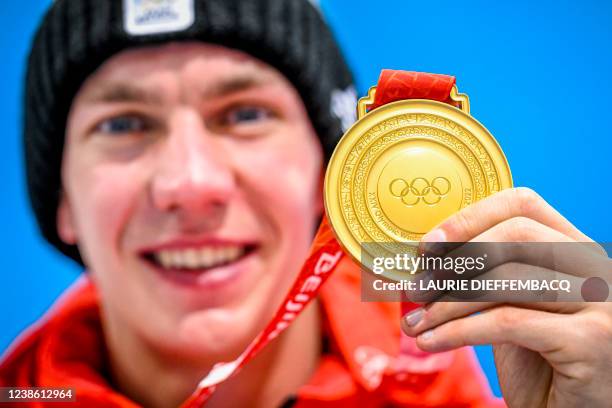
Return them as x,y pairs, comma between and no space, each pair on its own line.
344,106
143,17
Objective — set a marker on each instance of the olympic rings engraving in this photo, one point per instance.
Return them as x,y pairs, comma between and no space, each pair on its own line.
420,189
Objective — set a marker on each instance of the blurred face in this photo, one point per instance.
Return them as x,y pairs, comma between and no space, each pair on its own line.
191,178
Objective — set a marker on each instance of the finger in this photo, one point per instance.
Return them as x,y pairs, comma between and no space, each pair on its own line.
484,214
536,330
450,305
512,240
510,282
528,241
435,314
524,240
523,284
521,229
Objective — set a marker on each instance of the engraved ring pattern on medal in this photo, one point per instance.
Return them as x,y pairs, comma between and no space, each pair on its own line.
420,189
360,157
364,154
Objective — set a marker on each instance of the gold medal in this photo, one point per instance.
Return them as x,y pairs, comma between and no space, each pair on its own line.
404,167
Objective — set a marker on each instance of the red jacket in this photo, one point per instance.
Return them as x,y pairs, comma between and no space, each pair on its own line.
359,368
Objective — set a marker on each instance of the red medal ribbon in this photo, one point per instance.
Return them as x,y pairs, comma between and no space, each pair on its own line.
396,85
325,254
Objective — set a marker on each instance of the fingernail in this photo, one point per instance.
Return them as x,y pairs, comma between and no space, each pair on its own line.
433,242
414,317
427,335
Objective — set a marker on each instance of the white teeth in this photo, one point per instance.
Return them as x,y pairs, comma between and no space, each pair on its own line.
164,258
191,258
176,258
206,257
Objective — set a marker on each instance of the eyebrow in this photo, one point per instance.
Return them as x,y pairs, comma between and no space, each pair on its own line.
234,84
123,92
117,92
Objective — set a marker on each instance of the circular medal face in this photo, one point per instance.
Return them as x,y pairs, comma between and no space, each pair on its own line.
402,169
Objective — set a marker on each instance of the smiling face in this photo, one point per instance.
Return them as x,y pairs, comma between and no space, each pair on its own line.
192,185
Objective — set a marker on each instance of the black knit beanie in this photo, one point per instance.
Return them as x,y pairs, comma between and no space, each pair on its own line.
77,36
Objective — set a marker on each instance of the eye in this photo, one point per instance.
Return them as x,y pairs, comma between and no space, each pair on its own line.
123,124
247,115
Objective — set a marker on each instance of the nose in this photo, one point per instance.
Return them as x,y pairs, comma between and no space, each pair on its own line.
194,173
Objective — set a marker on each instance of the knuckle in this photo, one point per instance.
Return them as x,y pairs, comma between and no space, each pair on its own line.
459,223
527,200
590,332
599,248
507,318
584,372
519,229
599,326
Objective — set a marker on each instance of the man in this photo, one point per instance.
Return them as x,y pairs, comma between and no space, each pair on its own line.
177,150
